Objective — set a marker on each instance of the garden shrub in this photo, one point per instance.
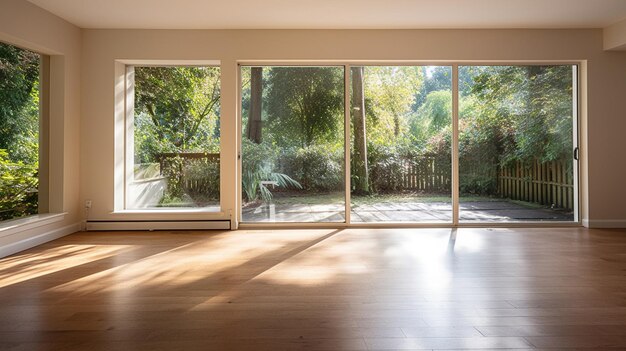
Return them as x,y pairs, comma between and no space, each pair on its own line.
18,188
386,167
316,167
201,179
259,164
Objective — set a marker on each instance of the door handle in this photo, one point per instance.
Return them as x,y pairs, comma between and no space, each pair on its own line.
576,153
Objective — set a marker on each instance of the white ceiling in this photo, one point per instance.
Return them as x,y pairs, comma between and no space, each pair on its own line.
336,14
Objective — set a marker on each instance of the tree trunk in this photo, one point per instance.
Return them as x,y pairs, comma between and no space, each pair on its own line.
360,170
256,94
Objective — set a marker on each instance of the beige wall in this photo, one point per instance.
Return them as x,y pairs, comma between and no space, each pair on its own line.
28,26
604,76
83,66
83,151
615,36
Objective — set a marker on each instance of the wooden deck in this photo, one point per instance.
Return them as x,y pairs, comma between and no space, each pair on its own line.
493,211
356,289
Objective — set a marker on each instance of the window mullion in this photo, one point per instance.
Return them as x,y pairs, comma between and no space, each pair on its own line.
455,144
346,91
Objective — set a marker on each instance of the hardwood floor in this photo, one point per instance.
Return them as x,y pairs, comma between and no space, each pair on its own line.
355,289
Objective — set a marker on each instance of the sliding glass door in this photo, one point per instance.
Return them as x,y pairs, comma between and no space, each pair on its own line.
401,119
516,143
409,144
292,147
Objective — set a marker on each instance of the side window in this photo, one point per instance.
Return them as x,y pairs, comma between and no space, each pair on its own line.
19,132
174,145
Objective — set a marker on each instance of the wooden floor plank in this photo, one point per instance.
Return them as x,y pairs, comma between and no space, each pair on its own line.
324,289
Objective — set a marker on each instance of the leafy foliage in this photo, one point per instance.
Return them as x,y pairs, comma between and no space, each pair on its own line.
433,116
434,78
304,105
390,94
18,187
19,110
315,167
204,176
259,166
387,167
177,109
19,131
507,114
528,110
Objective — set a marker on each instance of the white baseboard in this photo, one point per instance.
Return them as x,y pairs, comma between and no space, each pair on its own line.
604,223
28,243
157,225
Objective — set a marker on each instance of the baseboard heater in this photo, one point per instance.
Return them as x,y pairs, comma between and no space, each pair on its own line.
156,225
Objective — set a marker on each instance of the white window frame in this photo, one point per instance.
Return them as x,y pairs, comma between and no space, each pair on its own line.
455,222
124,145
44,215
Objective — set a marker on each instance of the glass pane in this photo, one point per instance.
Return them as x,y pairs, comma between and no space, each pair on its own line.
293,144
19,132
516,143
400,144
176,138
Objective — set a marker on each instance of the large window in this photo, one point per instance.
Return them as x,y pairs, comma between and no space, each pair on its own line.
425,144
516,143
401,119
293,144
19,132
173,142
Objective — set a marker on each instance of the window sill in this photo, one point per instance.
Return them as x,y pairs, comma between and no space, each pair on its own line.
14,226
181,210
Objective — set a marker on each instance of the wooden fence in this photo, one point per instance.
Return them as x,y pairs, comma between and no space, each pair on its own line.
549,183
186,157
416,173
426,173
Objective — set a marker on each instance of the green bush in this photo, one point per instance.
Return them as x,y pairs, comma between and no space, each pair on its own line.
257,161
386,167
201,179
194,180
477,184
480,159
18,188
173,171
258,165
316,167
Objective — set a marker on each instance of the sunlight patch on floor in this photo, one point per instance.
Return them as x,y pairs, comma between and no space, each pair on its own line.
20,268
201,265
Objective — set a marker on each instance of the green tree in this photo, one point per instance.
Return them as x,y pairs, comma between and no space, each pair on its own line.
435,78
19,107
304,105
390,94
177,109
529,109
19,132
18,187
434,115
254,127
360,169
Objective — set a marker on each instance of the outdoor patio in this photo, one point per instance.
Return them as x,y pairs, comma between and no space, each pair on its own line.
470,211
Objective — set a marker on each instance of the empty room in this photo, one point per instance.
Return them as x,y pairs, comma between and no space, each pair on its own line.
312,175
